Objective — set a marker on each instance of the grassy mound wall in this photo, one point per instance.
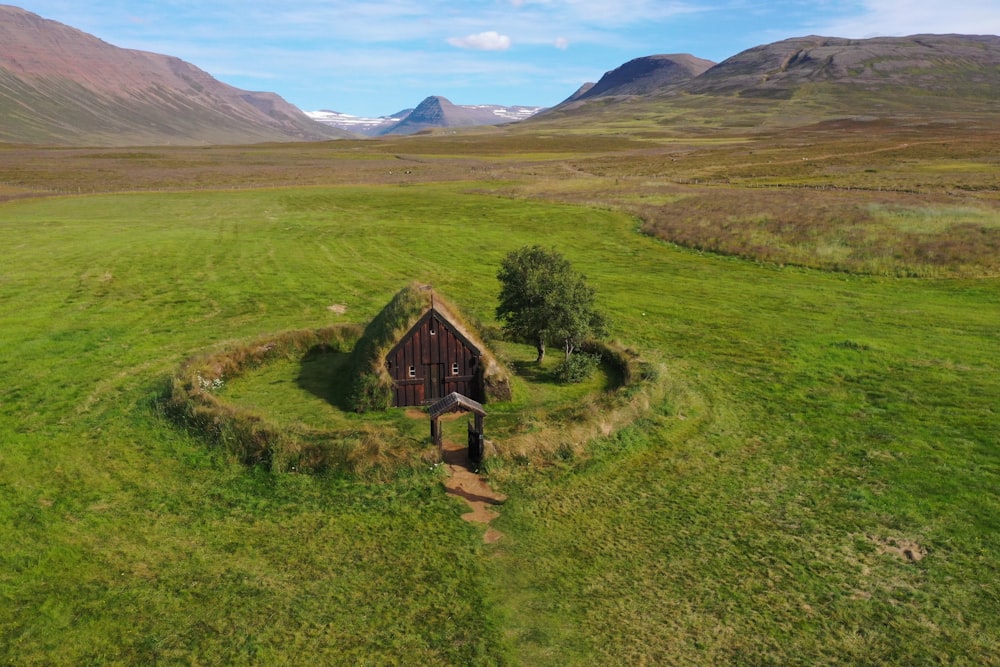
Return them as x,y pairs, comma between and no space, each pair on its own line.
256,440
636,385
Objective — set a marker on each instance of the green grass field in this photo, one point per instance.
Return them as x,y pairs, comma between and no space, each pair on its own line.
817,485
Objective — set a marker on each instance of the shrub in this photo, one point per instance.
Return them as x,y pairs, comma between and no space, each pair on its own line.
577,367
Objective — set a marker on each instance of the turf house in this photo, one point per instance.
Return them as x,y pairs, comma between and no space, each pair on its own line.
418,351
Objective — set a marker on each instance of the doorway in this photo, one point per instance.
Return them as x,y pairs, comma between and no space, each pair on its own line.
434,382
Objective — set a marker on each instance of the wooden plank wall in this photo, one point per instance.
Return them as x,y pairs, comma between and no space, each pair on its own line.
423,350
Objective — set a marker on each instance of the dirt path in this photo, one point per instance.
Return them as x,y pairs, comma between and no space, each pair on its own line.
472,488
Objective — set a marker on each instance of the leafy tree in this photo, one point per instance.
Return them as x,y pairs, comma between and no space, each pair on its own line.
543,300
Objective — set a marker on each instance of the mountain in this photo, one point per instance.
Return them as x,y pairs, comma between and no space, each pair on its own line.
799,80
962,65
438,112
580,92
642,76
433,112
61,85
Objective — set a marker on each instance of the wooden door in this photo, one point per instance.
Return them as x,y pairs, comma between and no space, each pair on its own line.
434,382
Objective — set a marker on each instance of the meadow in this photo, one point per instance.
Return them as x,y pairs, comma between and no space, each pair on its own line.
816,484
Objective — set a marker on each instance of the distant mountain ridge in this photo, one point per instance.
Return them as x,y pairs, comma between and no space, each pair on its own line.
964,64
835,75
61,85
433,112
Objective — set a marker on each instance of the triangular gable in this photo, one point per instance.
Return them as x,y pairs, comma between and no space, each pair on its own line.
446,321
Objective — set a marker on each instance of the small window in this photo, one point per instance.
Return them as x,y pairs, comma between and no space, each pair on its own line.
454,368
413,371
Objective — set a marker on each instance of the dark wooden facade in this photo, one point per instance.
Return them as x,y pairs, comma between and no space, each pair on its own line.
433,360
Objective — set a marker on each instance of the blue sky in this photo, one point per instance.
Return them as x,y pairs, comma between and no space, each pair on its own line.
375,58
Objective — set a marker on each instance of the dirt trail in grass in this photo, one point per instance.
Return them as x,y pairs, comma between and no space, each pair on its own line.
472,488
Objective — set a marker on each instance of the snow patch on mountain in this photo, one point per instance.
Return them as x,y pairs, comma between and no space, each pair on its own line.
487,114
357,124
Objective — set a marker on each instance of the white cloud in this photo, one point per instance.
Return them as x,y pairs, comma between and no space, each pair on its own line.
909,17
490,40
611,14
562,43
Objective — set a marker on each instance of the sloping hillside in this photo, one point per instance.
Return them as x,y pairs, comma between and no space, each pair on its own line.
961,66
61,85
798,81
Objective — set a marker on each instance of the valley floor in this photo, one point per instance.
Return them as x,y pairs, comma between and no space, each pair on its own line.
818,484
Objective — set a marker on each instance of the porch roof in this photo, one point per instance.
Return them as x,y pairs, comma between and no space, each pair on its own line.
455,401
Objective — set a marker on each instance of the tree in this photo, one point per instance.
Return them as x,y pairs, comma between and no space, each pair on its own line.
543,300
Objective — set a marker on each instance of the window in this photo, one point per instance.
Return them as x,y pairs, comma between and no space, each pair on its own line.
413,371
454,368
